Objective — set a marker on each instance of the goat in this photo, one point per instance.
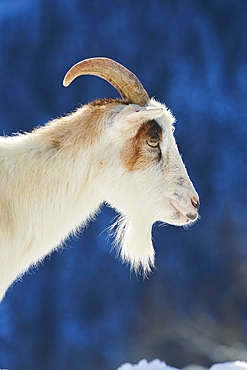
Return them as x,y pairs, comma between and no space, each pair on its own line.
118,151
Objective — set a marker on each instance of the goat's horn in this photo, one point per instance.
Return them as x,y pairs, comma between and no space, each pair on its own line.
127,84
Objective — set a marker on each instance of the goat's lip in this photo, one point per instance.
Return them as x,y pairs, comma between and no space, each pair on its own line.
180,212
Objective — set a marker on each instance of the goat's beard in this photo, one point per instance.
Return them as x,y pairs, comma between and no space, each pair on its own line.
133,243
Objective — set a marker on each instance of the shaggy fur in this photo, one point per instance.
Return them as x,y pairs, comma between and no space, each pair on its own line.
55,178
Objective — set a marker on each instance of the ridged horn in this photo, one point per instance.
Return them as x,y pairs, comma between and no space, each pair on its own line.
126,83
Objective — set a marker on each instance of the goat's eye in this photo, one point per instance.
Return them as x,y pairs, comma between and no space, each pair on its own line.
173,128
153,143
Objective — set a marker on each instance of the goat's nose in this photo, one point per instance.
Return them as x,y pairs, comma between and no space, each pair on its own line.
195,202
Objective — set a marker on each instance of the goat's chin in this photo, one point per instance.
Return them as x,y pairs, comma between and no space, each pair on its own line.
182,221
175,218
179,221
133,237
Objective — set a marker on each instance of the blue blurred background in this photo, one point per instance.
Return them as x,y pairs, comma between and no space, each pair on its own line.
83,309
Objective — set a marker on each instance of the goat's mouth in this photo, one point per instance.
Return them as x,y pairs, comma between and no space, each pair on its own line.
179,215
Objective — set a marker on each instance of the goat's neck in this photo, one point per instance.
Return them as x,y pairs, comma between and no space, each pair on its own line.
49,177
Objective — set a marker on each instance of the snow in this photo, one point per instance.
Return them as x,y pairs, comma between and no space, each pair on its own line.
161,365
144,365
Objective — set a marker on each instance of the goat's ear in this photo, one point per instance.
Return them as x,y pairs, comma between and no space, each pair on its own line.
133,115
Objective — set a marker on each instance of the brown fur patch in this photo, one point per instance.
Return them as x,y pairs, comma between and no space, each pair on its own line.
80,128
98,109
137,154
55,143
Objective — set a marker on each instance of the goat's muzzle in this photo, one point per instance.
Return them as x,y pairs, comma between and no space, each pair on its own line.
196,204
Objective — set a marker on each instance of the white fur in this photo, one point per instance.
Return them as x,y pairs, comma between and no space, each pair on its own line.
49,191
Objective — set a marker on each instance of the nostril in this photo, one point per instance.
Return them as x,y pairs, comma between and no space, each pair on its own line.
191,216
195,202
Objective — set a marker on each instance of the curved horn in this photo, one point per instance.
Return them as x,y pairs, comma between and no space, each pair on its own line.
127,84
